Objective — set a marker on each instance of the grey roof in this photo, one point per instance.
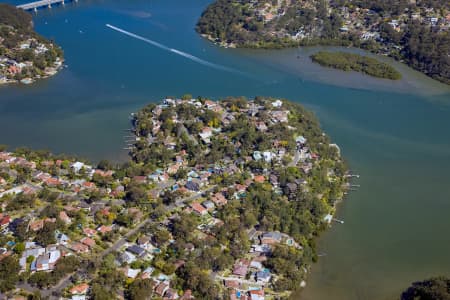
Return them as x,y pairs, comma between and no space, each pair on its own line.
208,204
263,275
136,250
192,186
273,235
43,259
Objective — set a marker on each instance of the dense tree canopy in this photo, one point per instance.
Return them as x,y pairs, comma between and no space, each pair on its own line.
437,288
355,62
9,273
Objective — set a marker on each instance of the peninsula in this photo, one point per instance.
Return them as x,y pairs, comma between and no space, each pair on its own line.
220,200
414,32
24,55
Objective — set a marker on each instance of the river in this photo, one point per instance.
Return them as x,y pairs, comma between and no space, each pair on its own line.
394,134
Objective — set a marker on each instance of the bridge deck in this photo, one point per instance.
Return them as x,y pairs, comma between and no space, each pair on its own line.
40,3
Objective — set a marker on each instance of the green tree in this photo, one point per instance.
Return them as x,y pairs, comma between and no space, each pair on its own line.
19,248
437,288
9,273
140,289
46,235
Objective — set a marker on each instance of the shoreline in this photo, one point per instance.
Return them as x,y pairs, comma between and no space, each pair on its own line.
298,63
318,44
29,81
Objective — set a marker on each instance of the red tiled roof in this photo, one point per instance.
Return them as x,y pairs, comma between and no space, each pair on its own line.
5,220
232,284
88,242
198,208
104,229
79,289
88,184
89,231
64,217
78,247
259,179
36,225
140,178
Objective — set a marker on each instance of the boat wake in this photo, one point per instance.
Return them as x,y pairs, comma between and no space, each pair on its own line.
178,52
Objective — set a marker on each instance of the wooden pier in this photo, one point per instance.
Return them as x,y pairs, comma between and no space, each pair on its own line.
338,221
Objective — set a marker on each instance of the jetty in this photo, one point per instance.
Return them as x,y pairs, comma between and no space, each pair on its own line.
352,175
43,4
338,221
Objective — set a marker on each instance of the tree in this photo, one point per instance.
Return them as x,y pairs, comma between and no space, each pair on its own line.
181,174
46,235
40,279
9,273
106,284
21,230
184,227
437,288
99,292
136,193
140,289
35,296
49,211
161,236
199,281
30,259
104,165
19,248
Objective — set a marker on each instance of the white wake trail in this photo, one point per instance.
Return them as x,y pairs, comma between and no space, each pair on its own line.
178,52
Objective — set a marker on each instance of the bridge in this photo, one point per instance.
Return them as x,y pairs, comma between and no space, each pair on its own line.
42,3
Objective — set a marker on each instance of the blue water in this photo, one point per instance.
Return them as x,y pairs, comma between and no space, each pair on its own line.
395,134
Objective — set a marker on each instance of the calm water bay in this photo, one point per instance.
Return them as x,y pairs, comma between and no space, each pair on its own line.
394,134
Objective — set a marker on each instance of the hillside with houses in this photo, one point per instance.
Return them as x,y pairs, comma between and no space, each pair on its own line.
24,55
221,200
268,180
414,32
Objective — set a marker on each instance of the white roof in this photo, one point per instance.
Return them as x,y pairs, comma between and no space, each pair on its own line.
54,256
29,245
77,165
256,264
132,273
277,103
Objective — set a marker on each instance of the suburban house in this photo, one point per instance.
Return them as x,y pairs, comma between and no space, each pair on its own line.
271,238
136,250
127,257
209,205
46,261
88,242
219,199
131,273
198,209
78,247
161,289
80,289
